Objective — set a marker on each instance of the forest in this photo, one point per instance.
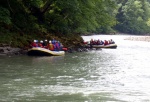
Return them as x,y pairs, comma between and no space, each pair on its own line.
22,21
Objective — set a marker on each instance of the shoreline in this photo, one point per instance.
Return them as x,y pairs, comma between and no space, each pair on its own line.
8,50
139,38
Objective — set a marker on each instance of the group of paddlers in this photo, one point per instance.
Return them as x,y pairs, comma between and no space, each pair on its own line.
52,45
100,42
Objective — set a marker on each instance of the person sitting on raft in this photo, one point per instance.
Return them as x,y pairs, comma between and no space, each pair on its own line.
34,43
98,42
101,42
57,47
92,42
53,41
40,44
45,43
111,42
51,46
106,42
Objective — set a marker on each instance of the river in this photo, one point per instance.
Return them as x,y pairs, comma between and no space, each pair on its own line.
107,75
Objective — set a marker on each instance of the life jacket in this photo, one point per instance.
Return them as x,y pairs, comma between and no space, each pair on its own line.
57,45
51,47
98,42
106,42
34,44
40,45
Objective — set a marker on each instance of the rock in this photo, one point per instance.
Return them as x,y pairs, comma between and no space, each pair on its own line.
3,45
1,50
11,51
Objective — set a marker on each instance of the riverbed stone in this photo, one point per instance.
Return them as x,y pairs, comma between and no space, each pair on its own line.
7,50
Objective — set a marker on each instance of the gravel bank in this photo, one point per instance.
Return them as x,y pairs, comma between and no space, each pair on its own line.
139,38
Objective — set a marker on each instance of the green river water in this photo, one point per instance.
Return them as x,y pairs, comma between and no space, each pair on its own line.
107,75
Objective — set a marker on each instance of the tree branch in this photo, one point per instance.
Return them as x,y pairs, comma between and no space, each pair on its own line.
46,6
9,6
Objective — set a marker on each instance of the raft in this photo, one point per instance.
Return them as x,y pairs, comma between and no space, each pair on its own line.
38,51
112,46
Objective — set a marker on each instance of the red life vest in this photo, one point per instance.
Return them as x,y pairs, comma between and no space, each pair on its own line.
34,44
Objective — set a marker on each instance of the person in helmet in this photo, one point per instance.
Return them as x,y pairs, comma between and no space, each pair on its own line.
45,43
53,41
34,43
51,46
40,44
106,42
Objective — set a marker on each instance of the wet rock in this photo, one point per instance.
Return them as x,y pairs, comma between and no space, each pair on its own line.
1,50
6,50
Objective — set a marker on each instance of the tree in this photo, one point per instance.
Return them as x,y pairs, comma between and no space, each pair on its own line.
25,19
133,16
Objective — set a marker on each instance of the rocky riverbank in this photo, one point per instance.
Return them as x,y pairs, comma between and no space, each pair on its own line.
139,38
10,51
7,50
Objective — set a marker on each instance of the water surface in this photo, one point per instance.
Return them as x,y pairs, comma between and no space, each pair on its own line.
107,75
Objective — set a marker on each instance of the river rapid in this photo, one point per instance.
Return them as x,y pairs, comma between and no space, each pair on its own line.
107,75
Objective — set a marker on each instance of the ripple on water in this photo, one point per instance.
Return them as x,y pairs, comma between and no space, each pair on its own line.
118,75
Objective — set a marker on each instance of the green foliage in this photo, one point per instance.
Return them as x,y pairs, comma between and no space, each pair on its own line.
36,3
79,16
5,16
71,16
133,17
66,17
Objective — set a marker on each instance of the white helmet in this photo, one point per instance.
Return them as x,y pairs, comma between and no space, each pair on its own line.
50,41
34,40
41,41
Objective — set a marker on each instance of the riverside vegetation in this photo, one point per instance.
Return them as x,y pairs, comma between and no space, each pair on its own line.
22,21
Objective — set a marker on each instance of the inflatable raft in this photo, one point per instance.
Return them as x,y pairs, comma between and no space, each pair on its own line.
102,46
38,51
